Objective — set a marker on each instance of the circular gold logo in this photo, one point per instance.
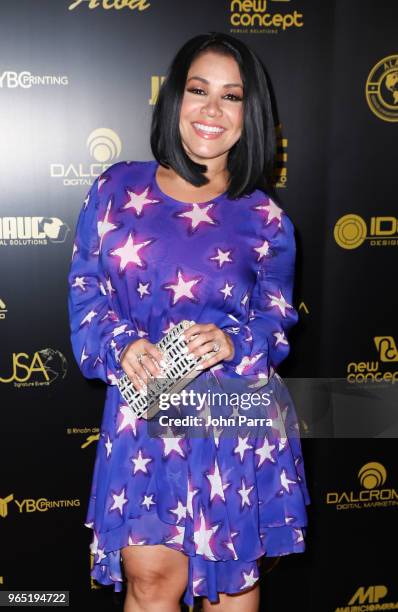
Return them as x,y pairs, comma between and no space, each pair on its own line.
382,89
350,231
372,475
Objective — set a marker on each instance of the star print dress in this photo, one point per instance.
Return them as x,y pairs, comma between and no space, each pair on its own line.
224,496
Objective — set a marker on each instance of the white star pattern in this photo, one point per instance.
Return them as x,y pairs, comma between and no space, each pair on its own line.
280,302
263,250
129,419
280,338
242,447
105,226
148,501
119,501
142,289
249,579
226,290
202,537
108,446
83,356
190,495
180,511
178,538
222,257
198,215
264,452
182,288
88,318
244,493
140,463
170,445
138,201
128,253
216,484
80,282
273,212
285,481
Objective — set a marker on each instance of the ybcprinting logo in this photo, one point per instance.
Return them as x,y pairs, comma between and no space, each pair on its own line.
25,79
382,89
22,231
352,230
372,477
42,504
104,146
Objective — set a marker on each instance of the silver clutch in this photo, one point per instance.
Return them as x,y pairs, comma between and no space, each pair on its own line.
178,372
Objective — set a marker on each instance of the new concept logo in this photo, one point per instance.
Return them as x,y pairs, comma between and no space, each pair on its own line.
372,477
253,17
25,80
104,146
42,369
369,600
382,89
3,310
351,231
369,371
42,504
133,5
23,231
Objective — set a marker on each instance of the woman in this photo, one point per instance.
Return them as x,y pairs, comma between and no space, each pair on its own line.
192,235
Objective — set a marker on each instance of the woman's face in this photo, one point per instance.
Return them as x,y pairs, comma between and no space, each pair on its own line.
213,99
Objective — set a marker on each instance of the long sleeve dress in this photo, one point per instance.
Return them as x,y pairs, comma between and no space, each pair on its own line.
141,262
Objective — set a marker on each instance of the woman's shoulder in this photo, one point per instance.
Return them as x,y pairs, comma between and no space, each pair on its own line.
125,171
267,211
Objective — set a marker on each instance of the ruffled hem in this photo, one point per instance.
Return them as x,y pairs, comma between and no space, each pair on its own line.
206,578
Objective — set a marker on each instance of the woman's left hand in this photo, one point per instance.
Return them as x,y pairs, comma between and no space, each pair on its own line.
206,335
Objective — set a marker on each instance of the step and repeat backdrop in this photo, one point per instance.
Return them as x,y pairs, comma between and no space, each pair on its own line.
78,81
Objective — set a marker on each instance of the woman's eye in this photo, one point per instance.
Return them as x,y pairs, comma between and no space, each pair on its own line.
232,97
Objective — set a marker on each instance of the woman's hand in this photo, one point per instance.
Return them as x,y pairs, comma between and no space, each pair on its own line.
206,335
140,370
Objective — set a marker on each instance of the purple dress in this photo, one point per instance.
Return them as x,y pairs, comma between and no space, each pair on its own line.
143,261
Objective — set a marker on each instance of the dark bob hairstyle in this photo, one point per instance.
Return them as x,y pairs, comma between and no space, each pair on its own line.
251,159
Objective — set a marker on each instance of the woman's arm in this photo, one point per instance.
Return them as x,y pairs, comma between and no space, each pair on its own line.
98,335
262,344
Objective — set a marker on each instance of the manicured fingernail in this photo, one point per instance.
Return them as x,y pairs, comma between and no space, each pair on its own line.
162,363
184,349
199,367
191,356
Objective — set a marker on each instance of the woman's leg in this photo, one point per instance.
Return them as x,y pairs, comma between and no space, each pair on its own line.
156,578
248,601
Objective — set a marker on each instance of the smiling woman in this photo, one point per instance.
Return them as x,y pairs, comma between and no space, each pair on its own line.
193,234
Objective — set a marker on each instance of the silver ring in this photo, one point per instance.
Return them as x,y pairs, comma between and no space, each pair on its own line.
140,356
216,347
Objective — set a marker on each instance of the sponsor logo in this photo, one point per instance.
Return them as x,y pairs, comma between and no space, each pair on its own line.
259,17
104,146
117,5
351,231
369,371
372,477
381,89
371,595
3,310
32,231
25,80
94,434
42,504
38,370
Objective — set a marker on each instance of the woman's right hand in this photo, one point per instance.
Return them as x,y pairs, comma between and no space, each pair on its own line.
152,362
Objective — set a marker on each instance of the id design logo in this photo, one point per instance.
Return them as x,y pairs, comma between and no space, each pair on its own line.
351,231
381,89
369,598
372,477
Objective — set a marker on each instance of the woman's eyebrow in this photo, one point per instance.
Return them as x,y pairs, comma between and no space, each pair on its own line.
198,78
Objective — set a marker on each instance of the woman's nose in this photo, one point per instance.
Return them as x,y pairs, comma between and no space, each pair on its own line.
212,108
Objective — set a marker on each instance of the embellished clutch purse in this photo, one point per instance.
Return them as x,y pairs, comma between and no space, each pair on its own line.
179,371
